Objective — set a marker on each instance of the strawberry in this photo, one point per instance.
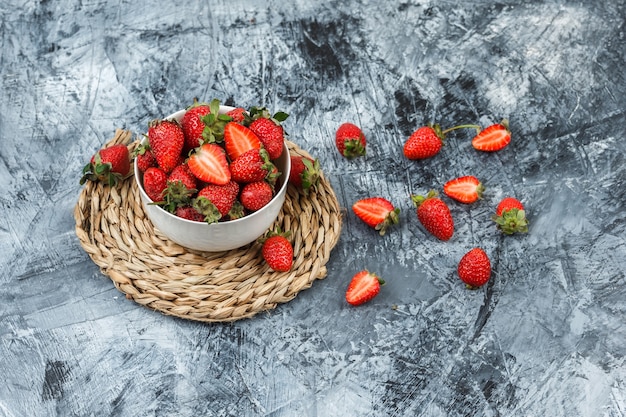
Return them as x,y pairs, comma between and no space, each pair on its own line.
305,173
363,287
221,196
425,142
434,215
208,163
238,139
377,212
108,165
251,166
144,156
271,135
510,216
189,213
256,195
154,183
237,114
166,140
474,268
350,141
493,138
183,173
192,124
467,189
277,251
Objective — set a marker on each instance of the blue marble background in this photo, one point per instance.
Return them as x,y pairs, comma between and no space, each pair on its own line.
544,338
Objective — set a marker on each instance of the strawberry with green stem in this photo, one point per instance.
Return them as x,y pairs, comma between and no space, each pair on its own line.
108,165
434,214
277,250
510,216
377,212
167,140
305,173
268,128
350,141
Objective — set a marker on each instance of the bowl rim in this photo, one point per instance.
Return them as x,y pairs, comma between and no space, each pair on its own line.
283,178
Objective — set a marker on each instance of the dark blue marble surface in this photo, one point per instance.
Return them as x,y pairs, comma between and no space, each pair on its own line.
544,338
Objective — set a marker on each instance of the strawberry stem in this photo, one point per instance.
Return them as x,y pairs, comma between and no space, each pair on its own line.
477,127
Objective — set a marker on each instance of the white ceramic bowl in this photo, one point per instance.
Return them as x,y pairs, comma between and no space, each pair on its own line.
219,236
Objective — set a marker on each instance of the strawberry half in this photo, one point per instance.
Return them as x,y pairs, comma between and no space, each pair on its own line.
493,138
239,139
474,268
363,287
467,189
377,212
209,164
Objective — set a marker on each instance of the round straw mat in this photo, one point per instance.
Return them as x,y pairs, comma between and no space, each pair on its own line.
204,286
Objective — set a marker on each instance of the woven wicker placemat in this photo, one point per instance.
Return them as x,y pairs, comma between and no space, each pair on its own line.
204,286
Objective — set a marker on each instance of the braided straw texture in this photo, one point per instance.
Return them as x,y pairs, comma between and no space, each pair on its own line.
203,286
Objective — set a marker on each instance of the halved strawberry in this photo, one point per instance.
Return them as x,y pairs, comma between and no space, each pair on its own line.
209,164
363,287
493,138
377,212
239,139
465,189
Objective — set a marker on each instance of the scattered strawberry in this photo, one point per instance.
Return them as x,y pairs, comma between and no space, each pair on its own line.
277,251
350,141
434,215
237,114
167,141
251,166
154,183
239,139
144,156
256,195
493,138
363,287
467,189
221,196
510,216
474,268
189,213
108,165
305,173
208,163
271,135
377,212
425,142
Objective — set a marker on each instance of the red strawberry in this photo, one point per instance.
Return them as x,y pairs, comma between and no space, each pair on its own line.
189,213
108,165
154,183
493,138
305,173
183,173
271,135
221,196
425,142
208,163
474,268
350,141
239,139
166,140
377,212
363,287
467,189
193,126
256,195
434,215
144,156
510,216
237,114
277,251
251,166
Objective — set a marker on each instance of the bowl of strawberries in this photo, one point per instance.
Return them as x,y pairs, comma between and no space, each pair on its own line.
213,177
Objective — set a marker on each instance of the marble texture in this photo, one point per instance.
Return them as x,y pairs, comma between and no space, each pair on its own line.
544,338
